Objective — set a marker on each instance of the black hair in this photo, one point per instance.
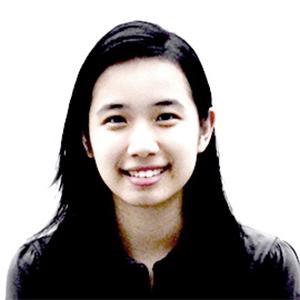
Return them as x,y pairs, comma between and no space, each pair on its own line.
80,183
77,175
86,202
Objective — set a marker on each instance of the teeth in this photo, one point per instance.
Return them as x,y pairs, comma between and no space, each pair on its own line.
145,174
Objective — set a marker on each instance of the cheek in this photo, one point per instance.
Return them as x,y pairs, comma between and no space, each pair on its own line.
107,152
106,162
185,159
185,149
185,139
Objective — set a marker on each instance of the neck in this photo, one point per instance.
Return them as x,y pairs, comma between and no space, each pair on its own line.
149,233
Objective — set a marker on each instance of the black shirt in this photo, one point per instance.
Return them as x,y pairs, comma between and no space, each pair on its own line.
272,272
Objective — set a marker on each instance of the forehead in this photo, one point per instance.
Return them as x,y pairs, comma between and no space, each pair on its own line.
157,75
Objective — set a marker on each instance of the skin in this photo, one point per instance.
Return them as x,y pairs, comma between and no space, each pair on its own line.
143,115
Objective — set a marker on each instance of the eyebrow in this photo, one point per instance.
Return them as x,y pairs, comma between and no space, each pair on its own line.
168,103
113,106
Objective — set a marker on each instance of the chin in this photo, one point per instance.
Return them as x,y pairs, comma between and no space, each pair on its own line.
145,203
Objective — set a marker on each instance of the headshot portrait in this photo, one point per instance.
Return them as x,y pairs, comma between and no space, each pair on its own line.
166,157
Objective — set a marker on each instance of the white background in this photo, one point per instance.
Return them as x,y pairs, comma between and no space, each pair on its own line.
251,53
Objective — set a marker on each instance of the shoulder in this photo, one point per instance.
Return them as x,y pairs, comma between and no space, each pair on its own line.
273,260
28,254
262,246
23,265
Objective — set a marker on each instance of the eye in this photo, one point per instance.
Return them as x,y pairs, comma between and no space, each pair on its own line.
114,120
167,117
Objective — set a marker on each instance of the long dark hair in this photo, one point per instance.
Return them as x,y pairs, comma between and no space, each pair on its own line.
86,203
82,189
77,175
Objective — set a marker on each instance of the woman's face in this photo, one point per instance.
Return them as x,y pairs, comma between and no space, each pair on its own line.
144,130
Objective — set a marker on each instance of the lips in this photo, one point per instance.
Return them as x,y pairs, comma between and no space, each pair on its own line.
145,175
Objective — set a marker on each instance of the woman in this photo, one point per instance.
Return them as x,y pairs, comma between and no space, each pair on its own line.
142,211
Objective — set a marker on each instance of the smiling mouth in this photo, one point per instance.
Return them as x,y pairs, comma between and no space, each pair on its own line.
145,173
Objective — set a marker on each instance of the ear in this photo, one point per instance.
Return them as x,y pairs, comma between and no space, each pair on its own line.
206,130
87,146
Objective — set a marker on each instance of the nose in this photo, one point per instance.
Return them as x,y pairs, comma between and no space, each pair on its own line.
142,141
